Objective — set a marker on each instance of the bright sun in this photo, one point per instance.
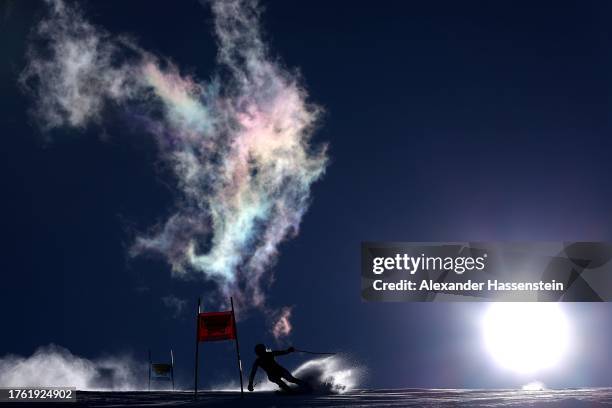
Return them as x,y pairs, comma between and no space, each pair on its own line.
526,337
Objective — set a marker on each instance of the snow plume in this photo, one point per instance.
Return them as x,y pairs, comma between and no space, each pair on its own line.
54,366
329,374
239,145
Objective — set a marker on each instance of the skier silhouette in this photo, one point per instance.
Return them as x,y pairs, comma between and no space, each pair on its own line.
276,372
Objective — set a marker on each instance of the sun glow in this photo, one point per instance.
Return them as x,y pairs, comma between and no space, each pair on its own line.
526,337
534,386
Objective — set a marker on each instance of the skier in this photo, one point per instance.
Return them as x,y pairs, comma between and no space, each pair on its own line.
276,372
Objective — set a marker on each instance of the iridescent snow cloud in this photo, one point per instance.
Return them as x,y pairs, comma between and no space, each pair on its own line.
282,327
239,144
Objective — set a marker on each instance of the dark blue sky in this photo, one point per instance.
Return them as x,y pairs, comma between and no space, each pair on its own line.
446,121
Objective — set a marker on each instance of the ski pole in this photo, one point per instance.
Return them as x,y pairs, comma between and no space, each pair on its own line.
314,352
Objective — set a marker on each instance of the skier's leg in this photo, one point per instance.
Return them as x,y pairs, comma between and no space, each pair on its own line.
278,381
289,377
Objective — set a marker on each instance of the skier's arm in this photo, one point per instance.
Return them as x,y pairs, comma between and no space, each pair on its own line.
252,375
283,352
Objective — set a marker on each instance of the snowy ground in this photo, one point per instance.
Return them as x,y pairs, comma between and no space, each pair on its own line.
601,397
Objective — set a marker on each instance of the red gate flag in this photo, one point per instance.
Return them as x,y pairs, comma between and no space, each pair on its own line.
215,326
